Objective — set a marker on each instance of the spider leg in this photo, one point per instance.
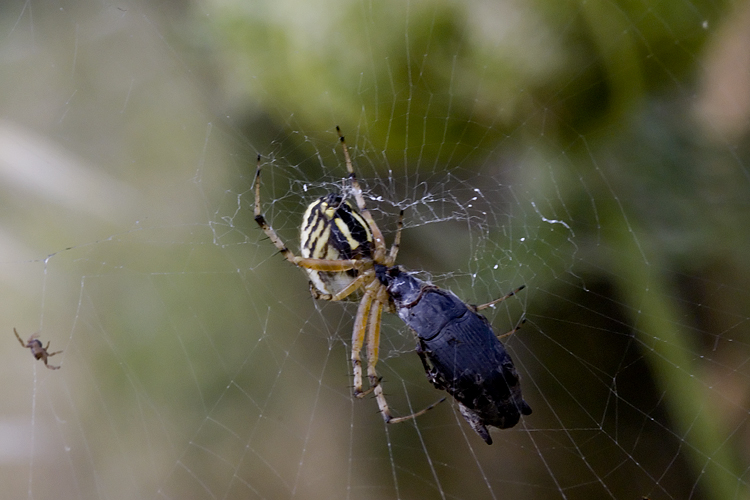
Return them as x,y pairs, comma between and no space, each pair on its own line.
398,420
373,343
261,220
497,301
310,264
391,259
19,338
514,330
352,287
373,348
358,339
377,235
327,265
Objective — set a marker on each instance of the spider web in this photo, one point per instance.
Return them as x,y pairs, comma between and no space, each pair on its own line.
595,152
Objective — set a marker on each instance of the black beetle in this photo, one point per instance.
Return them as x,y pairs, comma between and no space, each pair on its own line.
460,352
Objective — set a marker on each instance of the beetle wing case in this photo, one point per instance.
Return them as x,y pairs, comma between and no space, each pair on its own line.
477,370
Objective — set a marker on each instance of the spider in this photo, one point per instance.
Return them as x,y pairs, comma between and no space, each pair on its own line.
37,350
340,247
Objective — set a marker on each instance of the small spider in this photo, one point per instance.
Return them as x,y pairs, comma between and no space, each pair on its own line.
37,350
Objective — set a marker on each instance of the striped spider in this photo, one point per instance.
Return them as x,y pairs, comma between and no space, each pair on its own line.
341,247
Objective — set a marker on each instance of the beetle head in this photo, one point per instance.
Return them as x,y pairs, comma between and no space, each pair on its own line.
403,288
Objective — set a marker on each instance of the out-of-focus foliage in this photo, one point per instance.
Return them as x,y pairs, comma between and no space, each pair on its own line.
608,140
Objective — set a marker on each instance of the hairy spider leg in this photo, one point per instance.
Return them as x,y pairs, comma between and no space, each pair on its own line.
514,330
373,306
377,235
497,301
391,259
19,338
358,340
326,265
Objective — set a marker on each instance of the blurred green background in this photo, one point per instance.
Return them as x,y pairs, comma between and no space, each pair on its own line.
594,151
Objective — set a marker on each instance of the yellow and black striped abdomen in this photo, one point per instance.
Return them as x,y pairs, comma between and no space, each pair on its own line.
333,229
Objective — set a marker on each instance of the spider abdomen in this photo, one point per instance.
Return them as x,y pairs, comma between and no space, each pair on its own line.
333,230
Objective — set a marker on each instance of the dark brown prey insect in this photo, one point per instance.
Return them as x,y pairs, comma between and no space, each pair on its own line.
459,350
37,349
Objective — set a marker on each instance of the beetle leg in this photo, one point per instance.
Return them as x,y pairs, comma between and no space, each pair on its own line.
432,374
